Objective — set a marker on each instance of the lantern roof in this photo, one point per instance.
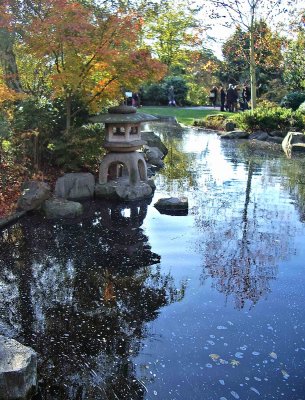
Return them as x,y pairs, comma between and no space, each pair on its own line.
123,114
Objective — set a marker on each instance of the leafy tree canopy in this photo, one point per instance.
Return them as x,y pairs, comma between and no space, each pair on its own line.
268,55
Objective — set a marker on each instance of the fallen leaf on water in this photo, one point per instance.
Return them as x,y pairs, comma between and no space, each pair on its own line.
234,363
214,357
285,374
273,355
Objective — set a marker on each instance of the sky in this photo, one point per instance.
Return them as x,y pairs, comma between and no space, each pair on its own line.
221,33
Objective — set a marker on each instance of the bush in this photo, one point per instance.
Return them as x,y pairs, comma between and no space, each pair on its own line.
38,124
6,151
293,100
266,104
214,121
80,149
37,114
157,93
153,94
302,107
268,120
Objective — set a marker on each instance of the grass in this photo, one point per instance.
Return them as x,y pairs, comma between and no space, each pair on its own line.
184,116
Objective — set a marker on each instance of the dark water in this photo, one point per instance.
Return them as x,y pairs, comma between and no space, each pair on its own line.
128,303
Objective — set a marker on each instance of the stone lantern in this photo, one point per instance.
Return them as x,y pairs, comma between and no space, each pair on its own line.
123,170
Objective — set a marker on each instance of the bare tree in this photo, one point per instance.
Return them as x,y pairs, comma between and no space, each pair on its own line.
246,14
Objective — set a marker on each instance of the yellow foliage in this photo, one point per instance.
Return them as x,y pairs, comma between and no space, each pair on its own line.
7,94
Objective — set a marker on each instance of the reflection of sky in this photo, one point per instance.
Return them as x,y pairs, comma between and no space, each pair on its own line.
204,347
208,148
219,341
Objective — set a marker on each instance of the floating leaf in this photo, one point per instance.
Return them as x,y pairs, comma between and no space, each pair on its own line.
234,363
214,357
285,374
273,355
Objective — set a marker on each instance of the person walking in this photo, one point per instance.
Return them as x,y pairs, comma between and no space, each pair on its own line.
213,96
171,96
223,96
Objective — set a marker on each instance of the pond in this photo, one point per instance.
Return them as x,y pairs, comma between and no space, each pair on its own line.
128,303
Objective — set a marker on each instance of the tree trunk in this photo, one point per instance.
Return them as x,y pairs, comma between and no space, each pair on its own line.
252,68
68,113
8,61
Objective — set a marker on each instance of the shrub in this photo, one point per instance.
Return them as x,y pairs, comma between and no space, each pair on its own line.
153,94
293,100
214,121
264,103
157,93
6,150
37,114
268,120
302,107
275,91
80,149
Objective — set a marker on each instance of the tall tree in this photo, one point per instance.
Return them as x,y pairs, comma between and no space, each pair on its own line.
171,30
246,14
268,54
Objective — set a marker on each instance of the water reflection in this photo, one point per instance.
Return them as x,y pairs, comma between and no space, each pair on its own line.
91,296
81,295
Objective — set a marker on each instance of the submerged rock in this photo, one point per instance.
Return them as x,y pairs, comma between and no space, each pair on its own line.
172,206
62,208
18,370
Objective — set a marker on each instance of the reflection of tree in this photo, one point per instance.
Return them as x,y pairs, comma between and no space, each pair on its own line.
243,242
177,173
294,171
89,288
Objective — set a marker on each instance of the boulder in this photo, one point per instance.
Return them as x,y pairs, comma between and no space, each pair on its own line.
172,206
75,185
123,191
274,139
62,208
281,134
18,370
229,126
235,135
154,156
259,135
293,141
33,194
153,140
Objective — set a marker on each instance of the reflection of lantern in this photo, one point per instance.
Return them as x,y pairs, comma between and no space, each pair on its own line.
123,166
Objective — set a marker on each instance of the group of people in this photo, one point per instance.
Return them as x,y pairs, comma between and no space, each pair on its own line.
232,99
